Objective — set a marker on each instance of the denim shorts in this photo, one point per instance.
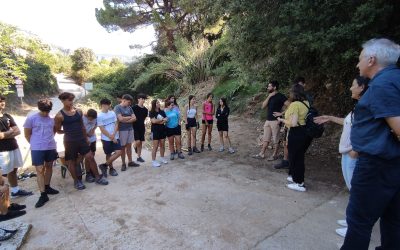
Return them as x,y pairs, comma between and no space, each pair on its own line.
39,157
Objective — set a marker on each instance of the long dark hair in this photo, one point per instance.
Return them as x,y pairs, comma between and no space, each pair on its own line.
190,98
362,81
153,105
169,98
297,93
223,99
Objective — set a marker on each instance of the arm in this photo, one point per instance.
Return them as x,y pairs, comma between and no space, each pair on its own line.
328,118
394,124
265,103
126,119
58,123
105,132
28,134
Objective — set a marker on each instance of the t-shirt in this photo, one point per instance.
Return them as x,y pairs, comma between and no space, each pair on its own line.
89,125
124,111
345,143
297,108
275,104
173,118
42,137
141,114
109,121
159,116
370,133
10,144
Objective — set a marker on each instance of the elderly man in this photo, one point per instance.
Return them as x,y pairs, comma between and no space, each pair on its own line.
375,186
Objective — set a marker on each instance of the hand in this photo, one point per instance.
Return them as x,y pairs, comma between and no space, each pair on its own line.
87,141
271,94
276,114
112,137
353,154
322,119
115,141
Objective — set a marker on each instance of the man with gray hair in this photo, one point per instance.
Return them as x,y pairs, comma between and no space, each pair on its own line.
375,135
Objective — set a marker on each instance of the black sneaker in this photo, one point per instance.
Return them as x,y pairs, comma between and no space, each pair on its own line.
190,151
102,181
89,178
140,159
180,155
133,164
195,150
11,215
16,207
284,164
202,147
20,192
123,167
209,147
103,168
50,190
42,200
113,172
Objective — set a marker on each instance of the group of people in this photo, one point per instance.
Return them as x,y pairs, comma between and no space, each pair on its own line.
369,144
120,127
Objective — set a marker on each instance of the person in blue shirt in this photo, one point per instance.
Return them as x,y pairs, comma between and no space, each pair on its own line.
375,135
173,130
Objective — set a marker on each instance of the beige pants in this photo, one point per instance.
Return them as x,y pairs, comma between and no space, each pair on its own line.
271,130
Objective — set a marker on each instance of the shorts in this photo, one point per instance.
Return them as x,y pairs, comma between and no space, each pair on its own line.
93,146
73,148
222,126
159,135
173,131
10,160
191,123
139,134
126,137
271,130
109,146
210,122
39,157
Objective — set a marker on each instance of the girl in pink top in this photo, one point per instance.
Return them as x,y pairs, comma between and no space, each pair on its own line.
207,121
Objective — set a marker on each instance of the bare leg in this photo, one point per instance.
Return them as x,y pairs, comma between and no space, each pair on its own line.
48,172
275,152
12,178
171,144
123,152
209,133
203,133
193,135
162,147
111,158
92,164
40,177
189,137
178,143
4,198
226,135
138,148
285,151
128,148
221,138
154,149
72,168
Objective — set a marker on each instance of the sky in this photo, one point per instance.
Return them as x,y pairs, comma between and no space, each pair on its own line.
71,24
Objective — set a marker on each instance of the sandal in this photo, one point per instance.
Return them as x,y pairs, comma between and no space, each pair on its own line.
258,156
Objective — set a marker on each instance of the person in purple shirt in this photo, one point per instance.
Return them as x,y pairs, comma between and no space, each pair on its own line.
39,132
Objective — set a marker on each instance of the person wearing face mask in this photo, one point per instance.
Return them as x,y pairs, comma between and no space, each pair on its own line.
275,102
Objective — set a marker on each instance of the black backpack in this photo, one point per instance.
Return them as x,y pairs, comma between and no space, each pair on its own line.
313,129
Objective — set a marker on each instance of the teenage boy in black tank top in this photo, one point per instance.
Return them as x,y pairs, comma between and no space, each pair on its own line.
75,140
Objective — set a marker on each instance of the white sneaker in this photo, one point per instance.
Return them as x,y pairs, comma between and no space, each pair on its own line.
231,150
342,231
290,179
342,223
221,149
297,187
163,160
155,164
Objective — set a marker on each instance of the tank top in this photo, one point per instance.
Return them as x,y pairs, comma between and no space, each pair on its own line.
207,108
72,126
191,113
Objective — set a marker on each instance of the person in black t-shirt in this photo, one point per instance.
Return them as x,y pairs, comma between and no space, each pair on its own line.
158,119
10,155
274,102
139,128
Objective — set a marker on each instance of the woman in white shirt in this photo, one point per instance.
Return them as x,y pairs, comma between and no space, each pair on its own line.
349,157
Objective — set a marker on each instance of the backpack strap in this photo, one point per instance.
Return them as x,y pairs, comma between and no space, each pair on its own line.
305,104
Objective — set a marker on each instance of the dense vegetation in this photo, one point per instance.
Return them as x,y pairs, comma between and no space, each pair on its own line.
25,57
250,42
